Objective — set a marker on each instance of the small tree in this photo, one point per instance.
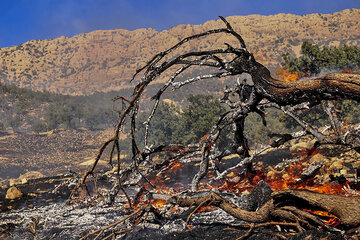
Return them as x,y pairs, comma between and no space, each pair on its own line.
39,126
14,121
164,125
198,117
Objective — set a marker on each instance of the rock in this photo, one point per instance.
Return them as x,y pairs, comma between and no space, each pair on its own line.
271,175
30,175
319,158
337,165
24,180
302,145
311,170
258,196
286,176
343,171
12,182
13,193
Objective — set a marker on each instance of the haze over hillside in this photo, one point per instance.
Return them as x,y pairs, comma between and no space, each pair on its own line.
106,60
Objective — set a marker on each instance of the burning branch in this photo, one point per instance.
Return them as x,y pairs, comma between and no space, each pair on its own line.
256,93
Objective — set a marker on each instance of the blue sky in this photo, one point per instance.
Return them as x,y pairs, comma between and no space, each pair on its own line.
23,20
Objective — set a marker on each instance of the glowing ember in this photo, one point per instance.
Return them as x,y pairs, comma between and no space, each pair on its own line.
332,221
291,177
206,209
159,204
348,71
287,76
175,166
240,183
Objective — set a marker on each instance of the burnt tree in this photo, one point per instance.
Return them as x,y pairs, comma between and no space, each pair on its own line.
257,93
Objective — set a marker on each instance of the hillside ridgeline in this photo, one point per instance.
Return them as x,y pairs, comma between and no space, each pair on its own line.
105,60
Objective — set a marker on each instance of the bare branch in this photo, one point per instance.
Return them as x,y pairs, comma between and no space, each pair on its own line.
264,91
177,85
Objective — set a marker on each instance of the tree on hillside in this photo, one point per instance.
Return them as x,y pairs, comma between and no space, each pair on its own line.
163,126
198,117
68,114
256,92
315,59
189,125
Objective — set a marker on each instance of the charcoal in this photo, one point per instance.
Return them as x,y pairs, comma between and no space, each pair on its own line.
317,234
257,197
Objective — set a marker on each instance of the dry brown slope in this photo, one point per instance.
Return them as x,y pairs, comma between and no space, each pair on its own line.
50,152
105,60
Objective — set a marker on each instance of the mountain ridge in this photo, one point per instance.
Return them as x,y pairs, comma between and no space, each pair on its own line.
104,60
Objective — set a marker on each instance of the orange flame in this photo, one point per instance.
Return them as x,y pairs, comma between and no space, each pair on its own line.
159,204
238,183
176,166
294,178
286,75
333,221
290,178
205,209
348,71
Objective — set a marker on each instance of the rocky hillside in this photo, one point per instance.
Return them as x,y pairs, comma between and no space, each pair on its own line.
105,60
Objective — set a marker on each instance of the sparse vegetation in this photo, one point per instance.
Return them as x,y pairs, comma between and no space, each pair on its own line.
52,111
113,59
187,126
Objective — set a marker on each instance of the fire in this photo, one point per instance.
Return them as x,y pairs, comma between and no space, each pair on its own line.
289,178
175,166
286,75
332,221
159,204
329,188
239,184
205,209
292,179
348,71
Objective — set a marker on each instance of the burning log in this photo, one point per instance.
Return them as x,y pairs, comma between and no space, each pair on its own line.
344,207
288,205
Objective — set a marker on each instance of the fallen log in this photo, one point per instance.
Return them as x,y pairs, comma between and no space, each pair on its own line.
285,204
346,208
